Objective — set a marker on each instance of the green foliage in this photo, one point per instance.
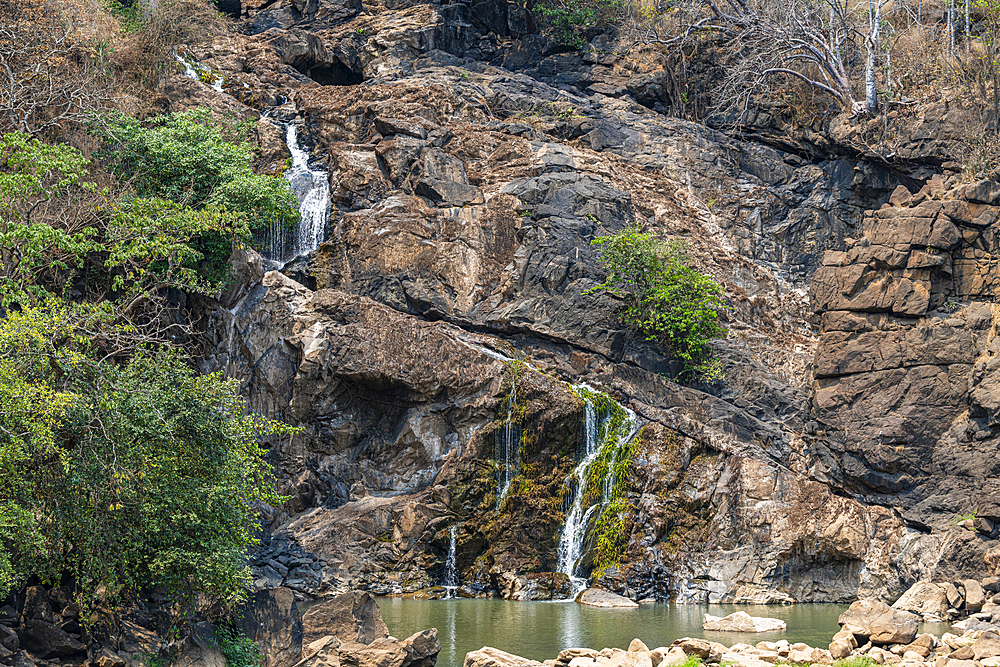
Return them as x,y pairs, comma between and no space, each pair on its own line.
968,516
127,475
193,159
33,174
129,15
568,18
666,300
238,649
854,661
692,661
52,221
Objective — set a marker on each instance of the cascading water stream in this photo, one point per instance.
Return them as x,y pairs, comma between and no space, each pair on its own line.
192,70
575,529
600,434
451,582
312,187
507,445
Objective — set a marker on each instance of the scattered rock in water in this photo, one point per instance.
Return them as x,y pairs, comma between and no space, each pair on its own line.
742,622
598,597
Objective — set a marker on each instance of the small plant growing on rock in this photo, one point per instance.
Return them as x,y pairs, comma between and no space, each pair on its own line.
666,300
238,649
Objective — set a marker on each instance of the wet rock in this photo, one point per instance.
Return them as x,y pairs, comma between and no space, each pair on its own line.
742,622
596,597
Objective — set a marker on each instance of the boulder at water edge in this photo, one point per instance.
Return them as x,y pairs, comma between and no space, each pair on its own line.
742,622
598,597
873,620
488,656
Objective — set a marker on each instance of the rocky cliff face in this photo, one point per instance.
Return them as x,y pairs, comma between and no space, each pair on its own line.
469,173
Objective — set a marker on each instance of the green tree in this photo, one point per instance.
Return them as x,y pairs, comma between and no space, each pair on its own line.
194,159
666,300
127,475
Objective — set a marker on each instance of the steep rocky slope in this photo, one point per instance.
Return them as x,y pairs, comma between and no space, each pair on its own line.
469,172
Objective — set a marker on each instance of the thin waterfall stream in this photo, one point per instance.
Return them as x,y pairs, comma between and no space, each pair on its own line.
507,441
605,435
451,581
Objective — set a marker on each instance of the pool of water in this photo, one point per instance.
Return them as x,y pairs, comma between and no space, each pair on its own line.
539,630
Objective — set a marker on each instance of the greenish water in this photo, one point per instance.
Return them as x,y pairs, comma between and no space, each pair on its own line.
539,630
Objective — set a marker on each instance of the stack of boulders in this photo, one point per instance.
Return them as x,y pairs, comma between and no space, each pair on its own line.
889,636
763,654
940,601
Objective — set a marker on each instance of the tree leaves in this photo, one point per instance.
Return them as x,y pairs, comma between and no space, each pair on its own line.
666,300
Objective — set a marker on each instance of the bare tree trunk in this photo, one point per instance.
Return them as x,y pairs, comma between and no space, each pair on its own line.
871,46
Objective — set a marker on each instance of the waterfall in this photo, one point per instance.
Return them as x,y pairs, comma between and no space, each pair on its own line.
312,188
195,72
604,437
451,581
507,442
575,529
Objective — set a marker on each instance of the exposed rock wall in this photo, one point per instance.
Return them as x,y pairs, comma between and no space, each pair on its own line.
469,176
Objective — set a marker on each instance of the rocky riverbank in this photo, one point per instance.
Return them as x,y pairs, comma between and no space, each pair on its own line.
871,633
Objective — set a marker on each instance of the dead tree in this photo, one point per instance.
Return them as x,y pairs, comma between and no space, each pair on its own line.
814,42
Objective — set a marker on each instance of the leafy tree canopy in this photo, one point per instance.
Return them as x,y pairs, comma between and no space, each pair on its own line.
127,475
191,158
666,300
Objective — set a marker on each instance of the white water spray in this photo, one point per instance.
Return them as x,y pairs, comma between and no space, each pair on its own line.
194,70
507,448
312,187
451,582
598,435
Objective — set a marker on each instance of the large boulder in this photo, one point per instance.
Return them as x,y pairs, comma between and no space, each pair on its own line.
974,596
271,618
352,617
494,657
925,599
47,640
742,622
875,621
598,597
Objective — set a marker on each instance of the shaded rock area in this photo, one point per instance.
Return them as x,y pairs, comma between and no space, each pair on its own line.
471,166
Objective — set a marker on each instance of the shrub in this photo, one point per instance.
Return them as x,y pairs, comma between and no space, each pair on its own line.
194,159
238,649
854,661
570,18
666,300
